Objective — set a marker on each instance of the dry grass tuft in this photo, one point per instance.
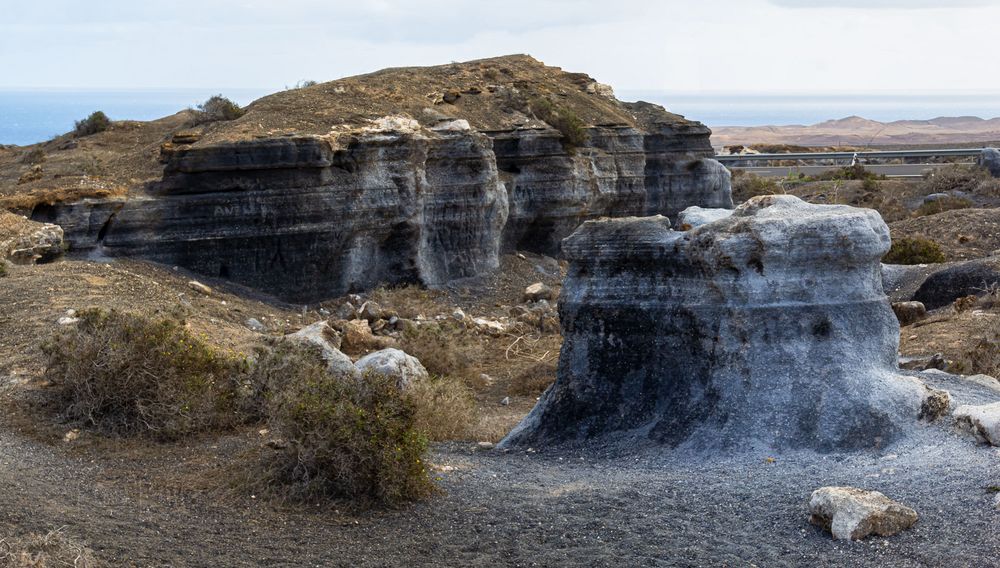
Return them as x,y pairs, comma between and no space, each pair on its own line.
445,409
445,349
50,550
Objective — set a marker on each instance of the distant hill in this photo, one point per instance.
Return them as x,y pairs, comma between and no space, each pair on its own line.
858,131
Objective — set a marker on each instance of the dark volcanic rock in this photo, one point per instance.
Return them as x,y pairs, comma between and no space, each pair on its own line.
970,278
990,159
767,328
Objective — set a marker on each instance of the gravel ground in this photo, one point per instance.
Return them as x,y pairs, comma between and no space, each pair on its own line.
562,508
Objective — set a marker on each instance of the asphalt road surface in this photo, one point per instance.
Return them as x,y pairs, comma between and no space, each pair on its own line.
894,170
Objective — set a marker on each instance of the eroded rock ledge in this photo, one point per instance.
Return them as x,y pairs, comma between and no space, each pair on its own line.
765,328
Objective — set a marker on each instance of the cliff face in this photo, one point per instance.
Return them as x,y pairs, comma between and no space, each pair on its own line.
767,328
321,211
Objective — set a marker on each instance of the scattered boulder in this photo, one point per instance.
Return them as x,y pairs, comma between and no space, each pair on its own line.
983,421
935,361
370,311
458,315
254,325
451,97
990,159
358,336
393,363
345,311
324,337
936,404
777,334
538,291
909,312
853,514
974,277
200,288
28,242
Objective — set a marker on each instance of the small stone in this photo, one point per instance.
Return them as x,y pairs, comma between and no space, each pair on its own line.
199,287
909,312
458,314
72,435
485,445
451,96
324,312
71,313
982,421
255,325
538,291
935,405
67,320
850,513
346,311
370,311
505,401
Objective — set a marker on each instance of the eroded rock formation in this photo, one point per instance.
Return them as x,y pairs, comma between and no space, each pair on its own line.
769,327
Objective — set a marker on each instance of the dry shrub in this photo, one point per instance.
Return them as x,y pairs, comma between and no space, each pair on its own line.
3,268
984,358
445,350
563,119
746,185
342,437
96,122
445,408
126,374
46,551
914,250
410,301
948,203
535,379
959,177
218,108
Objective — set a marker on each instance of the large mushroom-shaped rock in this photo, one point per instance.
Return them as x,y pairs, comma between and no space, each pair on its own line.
767,328
393,363
850,513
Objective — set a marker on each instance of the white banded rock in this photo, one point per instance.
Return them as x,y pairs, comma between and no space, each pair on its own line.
983,421
853,514
695,216
766,328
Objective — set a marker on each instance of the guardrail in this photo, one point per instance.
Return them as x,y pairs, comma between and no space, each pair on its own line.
874,155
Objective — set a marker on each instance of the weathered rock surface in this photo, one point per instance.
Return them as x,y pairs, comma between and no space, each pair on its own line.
990,159
695,216
387,199
393,363
971,278
909,312
27,242
853,514
538,291
769,328
982,420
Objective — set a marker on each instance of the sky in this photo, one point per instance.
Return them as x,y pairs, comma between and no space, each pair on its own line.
697,46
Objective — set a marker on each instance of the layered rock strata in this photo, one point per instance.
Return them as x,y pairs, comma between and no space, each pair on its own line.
766,328
310,217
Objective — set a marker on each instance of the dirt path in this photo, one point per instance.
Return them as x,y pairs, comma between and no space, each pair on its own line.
517,509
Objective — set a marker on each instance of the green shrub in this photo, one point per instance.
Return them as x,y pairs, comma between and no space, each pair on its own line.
746,185
96,122
563,119
341,437
218,108
126,374
304,83
852,172
944,204
913,250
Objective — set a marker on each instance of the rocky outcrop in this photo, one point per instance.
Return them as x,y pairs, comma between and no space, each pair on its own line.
769,328
850,513
28,242
990,159
393,363
983,421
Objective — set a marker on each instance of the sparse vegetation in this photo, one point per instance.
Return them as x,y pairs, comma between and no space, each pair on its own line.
3,268
445,408
34,156
914,250
444,350
303,84
563,119
126,375
535,379
96,122
341,437
983,358
746,185
943,204
46,551
968,179
852,172
218,108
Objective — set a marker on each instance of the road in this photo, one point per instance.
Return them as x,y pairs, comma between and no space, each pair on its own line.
894,170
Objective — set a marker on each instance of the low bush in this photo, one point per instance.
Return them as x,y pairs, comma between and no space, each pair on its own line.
983,358
914,250
959,177
852,172
96,122
34,156
944,204
746,185
218,108
46,551
445,408
341,437
563,119
303,84
444,350
126,374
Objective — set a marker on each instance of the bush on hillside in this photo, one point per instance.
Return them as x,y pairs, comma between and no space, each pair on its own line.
563,119
914,250
341,436
125,374
961,178
96,122
944,204
218,108
746,185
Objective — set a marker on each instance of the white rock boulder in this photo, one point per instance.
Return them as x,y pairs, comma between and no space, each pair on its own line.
695,216
323,336
983,421
393,363
850,513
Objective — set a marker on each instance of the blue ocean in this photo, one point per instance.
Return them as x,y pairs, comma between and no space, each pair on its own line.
27,117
